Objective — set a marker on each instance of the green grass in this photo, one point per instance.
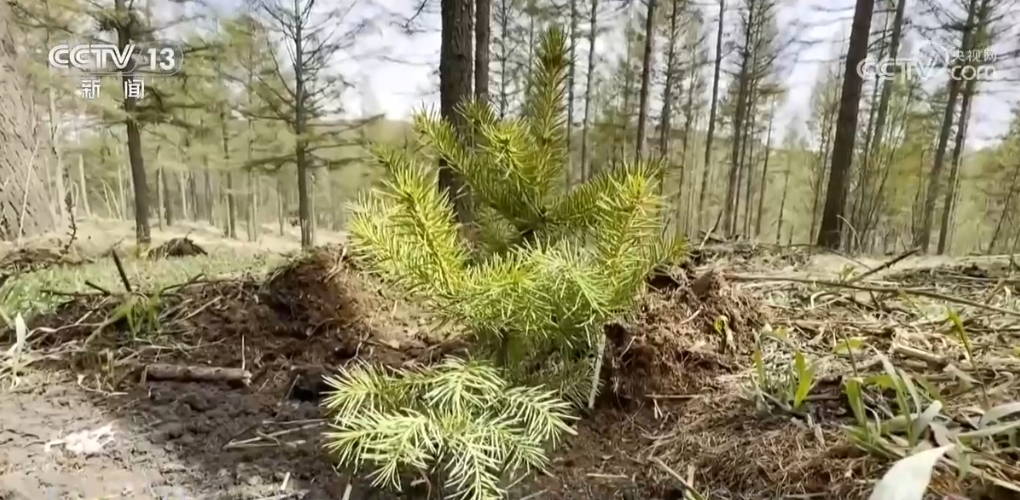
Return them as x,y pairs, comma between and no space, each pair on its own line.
28,294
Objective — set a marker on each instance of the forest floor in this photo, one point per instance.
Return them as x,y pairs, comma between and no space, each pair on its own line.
699,393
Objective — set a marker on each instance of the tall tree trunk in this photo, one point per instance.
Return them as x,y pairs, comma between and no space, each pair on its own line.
710,134
883,107
954,166
454,87
689,130
732,184
504,56
301,145
764,173
666,128
592,29
935,177
482,35
253,195
134,135
24,208
846,127
646,77
571,71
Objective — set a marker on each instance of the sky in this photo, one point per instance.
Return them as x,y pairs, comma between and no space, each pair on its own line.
393,73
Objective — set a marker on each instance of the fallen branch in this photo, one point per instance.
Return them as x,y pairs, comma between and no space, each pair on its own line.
884,266
878,289
120,270
158,371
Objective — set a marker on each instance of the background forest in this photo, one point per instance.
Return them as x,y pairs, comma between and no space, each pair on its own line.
265,126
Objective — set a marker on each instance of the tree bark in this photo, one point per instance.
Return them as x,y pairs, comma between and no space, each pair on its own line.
954,167
764,174
139,183
592,27
829,233
710,135
646,76
666,125
482,36
454,87
571,72
24,207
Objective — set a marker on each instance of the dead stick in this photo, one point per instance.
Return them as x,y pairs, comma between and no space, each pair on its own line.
97,287
884,266
158,371
688,487
882,289
120,270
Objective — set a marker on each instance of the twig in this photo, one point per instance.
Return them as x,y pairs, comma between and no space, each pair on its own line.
675,475
120,270
915,353
97,288
884,266
909,291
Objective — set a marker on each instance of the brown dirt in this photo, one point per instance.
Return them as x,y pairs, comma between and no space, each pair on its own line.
307,316
684,337
675,378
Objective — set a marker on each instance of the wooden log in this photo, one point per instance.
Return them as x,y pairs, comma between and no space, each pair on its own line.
159,371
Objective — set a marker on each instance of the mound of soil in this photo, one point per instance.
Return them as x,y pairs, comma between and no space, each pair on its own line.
682,340
224,441
177,247
309,313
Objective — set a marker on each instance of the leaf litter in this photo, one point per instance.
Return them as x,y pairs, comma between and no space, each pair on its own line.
742,376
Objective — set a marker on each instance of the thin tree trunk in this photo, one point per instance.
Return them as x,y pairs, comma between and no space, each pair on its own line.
160,202
954,168
666,127
935,178
571,71
182,180
732,184
710,135
764,174
592,27
646,77
281,206
482,35
782,201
